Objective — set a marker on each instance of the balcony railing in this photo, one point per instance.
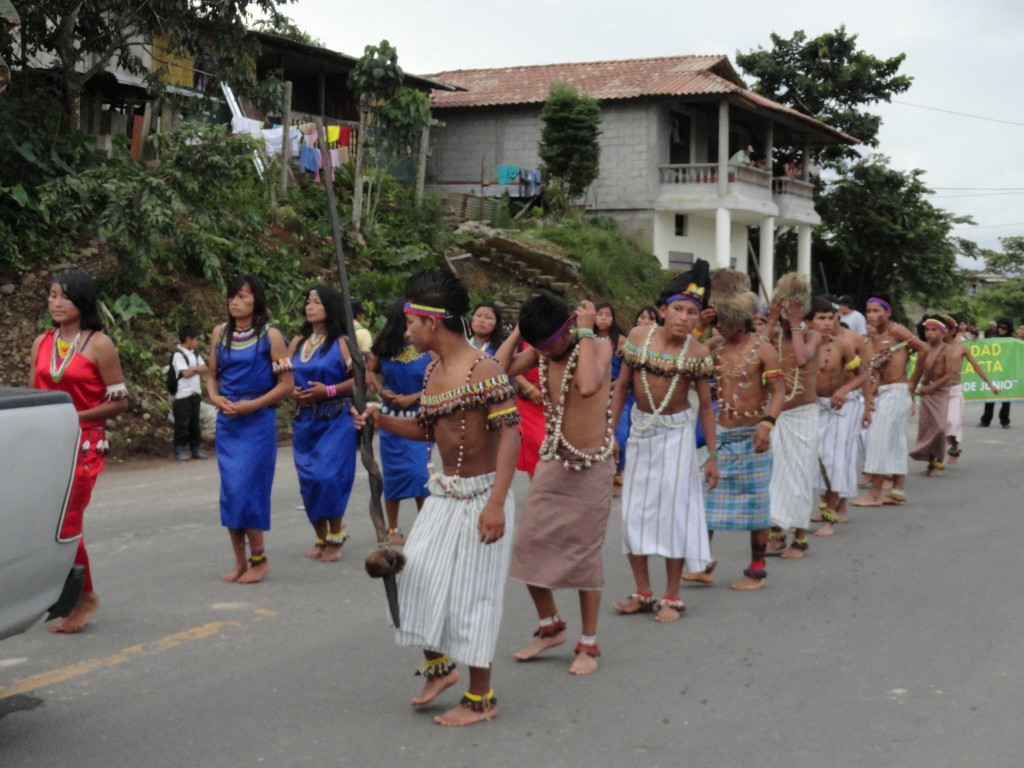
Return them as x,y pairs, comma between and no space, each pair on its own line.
707,173
783,185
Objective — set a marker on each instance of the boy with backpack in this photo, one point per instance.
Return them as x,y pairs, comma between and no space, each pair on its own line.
183,381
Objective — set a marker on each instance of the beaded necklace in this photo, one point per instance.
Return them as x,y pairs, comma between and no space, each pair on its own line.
743,382
798,386
243,339
554,437
656,410
452,488
310,346
57,370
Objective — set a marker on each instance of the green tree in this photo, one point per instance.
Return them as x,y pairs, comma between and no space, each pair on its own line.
392,118
880,233
83,38
829,78
568,141
1009,261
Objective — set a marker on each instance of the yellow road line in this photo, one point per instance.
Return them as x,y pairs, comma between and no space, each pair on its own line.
54,676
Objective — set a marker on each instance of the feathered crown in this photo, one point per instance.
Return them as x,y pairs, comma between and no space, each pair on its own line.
693,286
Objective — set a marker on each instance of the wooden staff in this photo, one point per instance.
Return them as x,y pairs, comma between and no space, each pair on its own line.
385,562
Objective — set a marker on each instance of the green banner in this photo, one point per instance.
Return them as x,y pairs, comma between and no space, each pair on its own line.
1002,360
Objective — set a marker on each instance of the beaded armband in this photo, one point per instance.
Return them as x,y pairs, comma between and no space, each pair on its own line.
661,364
116,392
774,373
467,397
282,365
507,417
853,364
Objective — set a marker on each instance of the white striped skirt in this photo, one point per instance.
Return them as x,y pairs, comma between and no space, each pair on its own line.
887,443
955,419
794,462
838,436
452,588
662,497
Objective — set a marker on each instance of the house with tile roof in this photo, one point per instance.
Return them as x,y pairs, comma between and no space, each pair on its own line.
669,128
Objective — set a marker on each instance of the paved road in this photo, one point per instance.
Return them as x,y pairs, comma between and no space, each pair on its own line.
895,643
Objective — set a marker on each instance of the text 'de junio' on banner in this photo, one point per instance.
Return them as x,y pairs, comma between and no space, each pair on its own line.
1002,360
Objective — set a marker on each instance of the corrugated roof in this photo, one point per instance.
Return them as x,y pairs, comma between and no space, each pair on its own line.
670,76
602,80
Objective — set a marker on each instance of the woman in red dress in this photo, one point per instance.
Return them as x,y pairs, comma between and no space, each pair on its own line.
76,357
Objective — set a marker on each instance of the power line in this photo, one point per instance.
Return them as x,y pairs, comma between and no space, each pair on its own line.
981,189
989,226
981,194
959,114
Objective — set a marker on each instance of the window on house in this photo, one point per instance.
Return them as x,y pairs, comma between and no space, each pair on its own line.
681,225
680,260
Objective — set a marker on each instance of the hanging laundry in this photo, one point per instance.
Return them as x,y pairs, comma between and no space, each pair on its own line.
333,131
344,136
508,174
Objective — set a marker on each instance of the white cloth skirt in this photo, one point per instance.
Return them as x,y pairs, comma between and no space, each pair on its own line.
955,425
662,497
794,465
838,436
887,444
451,591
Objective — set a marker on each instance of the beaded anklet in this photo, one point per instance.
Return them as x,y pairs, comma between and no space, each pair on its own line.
756,570
800,544
550,630
675,603
479,703
590,649
258,555
336,539
436,667
829,515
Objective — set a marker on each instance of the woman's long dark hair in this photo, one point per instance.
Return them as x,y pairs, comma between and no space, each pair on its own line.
334,325
80,289
390,342
259,305
614,332
498,335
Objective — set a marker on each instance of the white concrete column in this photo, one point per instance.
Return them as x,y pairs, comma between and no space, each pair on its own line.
766,257
723,233
803,250
723,150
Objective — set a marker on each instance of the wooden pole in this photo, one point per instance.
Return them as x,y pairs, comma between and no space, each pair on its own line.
359,375
421,164
357,193
286,138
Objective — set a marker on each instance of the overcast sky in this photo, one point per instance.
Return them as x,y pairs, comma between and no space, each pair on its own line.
964,57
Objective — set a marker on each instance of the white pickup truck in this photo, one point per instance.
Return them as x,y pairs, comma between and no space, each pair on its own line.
38,445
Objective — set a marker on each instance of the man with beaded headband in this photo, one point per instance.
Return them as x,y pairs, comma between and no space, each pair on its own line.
886,452
795,437
751,391
563,523
457,553
662,499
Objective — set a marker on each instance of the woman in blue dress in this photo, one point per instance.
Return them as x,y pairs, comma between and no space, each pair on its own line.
249,373
324,437
486,330
403,462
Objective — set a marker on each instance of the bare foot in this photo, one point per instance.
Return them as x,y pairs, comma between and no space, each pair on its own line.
315,553
776,546
464,714
235,573
816,517
698,578
332,553
635,603
866,501
747,584
583,664
86,606
843,518
538,646
671,610
433,686
932,473
255,573
951,460
826,529
794,553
